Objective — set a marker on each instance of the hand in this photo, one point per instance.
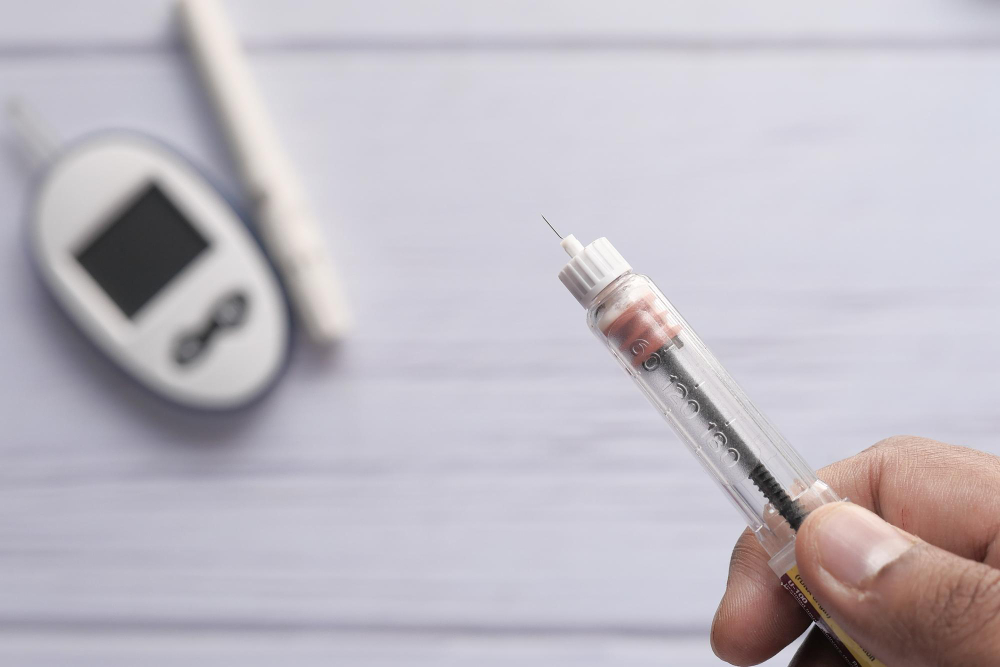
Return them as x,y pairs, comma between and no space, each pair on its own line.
921,587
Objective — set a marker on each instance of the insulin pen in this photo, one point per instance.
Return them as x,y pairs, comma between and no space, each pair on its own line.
765,478
289,231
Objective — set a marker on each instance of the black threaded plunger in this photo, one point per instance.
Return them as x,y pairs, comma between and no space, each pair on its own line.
790,510
670,362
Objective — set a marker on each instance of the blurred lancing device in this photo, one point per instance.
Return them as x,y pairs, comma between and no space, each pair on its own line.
288,229
153,264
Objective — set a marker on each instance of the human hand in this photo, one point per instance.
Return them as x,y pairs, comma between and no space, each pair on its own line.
922,589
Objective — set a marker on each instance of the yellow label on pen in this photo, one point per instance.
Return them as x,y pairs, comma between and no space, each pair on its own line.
847,647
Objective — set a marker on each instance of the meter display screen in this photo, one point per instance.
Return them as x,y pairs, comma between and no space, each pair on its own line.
141,249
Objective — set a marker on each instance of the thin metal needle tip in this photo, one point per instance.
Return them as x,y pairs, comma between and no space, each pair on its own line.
551,227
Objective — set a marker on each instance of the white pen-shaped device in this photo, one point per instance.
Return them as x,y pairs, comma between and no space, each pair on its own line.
764,477
285,223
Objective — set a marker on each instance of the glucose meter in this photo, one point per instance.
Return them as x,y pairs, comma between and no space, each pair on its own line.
153,264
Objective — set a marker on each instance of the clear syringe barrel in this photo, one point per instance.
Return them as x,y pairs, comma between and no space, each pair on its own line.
765,478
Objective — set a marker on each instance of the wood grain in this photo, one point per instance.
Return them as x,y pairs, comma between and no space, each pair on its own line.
305,649
55,26
470,480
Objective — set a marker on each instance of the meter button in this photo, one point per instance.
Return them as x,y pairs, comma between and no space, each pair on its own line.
229,313
189,348
232,311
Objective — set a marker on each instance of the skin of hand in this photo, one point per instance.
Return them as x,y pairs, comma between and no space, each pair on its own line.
910,568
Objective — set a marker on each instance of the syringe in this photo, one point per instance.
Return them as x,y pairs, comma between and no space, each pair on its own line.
765,478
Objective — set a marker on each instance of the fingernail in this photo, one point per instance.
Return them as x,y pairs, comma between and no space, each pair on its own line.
855,544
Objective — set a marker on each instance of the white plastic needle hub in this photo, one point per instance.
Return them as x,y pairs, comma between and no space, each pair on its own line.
571,245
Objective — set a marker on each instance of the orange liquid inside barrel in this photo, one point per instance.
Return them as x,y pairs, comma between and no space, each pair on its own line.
641,330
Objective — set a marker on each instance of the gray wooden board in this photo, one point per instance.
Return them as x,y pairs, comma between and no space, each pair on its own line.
470,479
61,25
305,649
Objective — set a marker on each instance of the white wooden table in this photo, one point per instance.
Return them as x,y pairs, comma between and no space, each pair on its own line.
471,481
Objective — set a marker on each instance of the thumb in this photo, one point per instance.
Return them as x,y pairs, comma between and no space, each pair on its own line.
906,601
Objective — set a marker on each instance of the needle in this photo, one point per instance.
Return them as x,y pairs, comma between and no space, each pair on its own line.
551,227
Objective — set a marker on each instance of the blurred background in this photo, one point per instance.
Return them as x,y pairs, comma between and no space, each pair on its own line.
470,479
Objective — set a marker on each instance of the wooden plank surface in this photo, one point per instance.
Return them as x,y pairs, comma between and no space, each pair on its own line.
470,480
305,649
59,25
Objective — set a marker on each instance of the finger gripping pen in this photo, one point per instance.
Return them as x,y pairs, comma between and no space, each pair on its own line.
764,477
